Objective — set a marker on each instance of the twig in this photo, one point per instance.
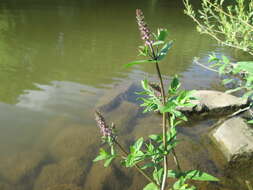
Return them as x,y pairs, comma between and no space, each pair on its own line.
135,165
221,121
206,67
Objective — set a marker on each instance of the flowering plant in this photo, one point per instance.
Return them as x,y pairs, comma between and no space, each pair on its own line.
154,153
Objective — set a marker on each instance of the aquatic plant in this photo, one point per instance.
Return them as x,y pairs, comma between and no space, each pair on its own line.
153,154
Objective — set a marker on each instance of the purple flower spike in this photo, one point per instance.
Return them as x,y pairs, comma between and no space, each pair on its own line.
104,129
143,27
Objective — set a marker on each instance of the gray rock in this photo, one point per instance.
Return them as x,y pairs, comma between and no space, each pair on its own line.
215,103
235,139
113,97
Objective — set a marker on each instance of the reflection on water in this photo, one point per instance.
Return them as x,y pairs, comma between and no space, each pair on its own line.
57,58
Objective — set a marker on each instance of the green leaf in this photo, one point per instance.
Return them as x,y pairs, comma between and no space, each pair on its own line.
148,165
200,176
102,155
157,43
144,84
139,62
173,174
174,85
155,137
163,52
162,34
250,122
108,161
225,60
138,144
246,65
213,58
151,186
157,175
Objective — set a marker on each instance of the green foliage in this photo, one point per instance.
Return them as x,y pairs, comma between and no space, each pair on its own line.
231,25
150,155
103,155
228,22
151,186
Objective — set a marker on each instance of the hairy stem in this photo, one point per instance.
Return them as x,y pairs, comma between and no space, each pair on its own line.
136,165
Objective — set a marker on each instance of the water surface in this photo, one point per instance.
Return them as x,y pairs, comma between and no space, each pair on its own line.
57,59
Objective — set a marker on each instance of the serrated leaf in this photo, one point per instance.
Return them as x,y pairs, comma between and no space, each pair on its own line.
163,52
151,186
139,62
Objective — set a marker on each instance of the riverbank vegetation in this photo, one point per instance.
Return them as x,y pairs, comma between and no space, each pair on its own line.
231,24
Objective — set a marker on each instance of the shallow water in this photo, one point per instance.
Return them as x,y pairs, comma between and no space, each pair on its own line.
58,58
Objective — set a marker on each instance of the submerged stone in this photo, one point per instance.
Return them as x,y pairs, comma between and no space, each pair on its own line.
235,139
68,174
75,141
124,117
114,96
21,168
112,177
214,103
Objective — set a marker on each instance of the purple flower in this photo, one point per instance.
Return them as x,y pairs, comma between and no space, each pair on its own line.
104,129
143,27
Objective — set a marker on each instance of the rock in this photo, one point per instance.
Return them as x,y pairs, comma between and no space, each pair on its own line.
235,139
75,141
21,167
124,117
68,174
112,177
97,176
114,97
215,103
64,187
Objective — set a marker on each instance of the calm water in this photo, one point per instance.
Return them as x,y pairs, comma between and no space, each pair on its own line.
57,59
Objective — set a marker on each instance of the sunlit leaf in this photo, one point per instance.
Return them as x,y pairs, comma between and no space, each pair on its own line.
108,161
250,122
157,43
139,62
200,176
151,186
162,34
246,65
163,52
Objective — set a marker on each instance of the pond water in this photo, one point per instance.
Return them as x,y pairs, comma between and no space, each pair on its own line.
58,59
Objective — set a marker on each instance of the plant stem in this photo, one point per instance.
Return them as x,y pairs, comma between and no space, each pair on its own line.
136,165
165,132
165,160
